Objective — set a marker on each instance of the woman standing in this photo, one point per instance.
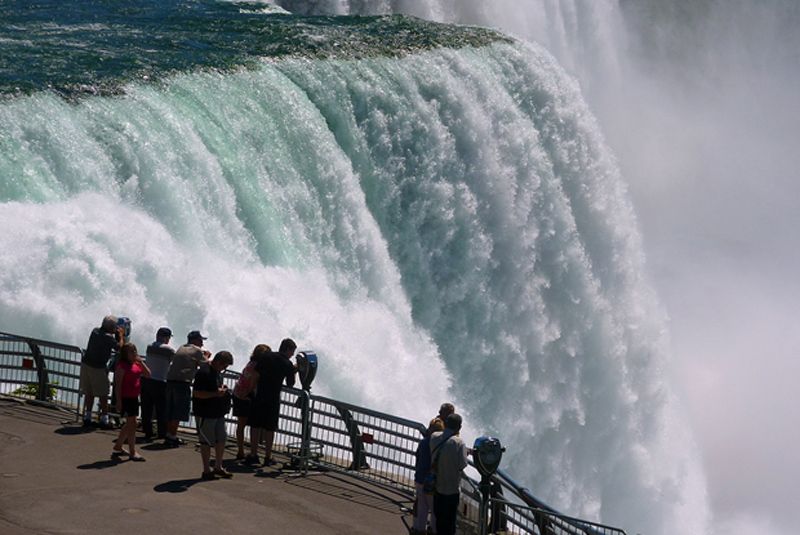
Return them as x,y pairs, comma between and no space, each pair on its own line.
128,383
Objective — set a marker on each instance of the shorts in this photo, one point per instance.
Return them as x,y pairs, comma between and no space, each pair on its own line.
211,431
265,416
94,381
179,400
242,407
130,407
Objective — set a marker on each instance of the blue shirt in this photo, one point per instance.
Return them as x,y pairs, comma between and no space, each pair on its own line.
423,464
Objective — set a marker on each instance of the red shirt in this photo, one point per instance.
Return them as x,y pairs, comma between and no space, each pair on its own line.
132,380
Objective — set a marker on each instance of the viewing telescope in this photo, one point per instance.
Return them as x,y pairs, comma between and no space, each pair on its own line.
487,452
306,368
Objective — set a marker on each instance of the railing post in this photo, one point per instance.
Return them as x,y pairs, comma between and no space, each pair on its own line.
305,439
498,509
43,393
483,509
357,445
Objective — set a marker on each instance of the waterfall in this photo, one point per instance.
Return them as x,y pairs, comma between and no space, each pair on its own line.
448,224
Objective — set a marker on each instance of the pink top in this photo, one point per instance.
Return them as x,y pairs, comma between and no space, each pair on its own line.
132,380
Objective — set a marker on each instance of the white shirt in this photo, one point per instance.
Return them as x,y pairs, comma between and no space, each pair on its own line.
450,460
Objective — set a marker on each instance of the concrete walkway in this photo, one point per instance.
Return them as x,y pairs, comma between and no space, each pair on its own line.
57,478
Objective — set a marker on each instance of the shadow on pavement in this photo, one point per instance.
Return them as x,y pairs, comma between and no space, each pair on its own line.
73,430
178,485
100,465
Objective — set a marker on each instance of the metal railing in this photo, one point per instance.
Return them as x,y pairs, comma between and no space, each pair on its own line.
316,432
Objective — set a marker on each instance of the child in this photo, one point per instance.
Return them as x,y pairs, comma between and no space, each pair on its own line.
128,383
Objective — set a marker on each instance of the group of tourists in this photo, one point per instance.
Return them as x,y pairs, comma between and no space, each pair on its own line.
171,384
440,460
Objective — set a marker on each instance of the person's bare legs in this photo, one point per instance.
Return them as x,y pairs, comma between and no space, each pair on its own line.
172,429
130,423
205,454
127,433
255,438
269,437
240,425
103,406
88,404
219,452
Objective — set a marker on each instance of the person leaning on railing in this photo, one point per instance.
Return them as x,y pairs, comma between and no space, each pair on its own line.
104,343
272,370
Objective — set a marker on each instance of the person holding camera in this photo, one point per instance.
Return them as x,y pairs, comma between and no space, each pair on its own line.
211,402
104,343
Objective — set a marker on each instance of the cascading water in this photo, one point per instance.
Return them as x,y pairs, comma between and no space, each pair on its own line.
439,224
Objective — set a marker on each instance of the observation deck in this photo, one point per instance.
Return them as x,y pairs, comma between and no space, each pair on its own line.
347,469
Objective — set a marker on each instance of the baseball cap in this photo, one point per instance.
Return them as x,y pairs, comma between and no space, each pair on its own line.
163,331
194,335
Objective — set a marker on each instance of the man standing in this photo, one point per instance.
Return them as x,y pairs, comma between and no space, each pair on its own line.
154,388
179,384
272,370
212,401
449,458
104,342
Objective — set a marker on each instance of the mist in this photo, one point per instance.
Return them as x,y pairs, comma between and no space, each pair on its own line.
713,170
698,99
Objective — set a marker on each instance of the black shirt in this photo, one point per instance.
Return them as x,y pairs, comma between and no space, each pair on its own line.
208,379
272,370
101,347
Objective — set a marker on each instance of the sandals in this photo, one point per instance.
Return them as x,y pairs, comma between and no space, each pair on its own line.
221,472
116,454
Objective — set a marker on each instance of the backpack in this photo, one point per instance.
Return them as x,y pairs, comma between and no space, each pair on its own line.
247,381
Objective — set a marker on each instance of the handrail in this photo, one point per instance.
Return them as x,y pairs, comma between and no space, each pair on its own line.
316,431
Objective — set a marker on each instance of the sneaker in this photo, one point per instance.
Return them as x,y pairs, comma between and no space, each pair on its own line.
208,476
116,453
221,472
138,458
251,460
87,422
269,462
240,456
